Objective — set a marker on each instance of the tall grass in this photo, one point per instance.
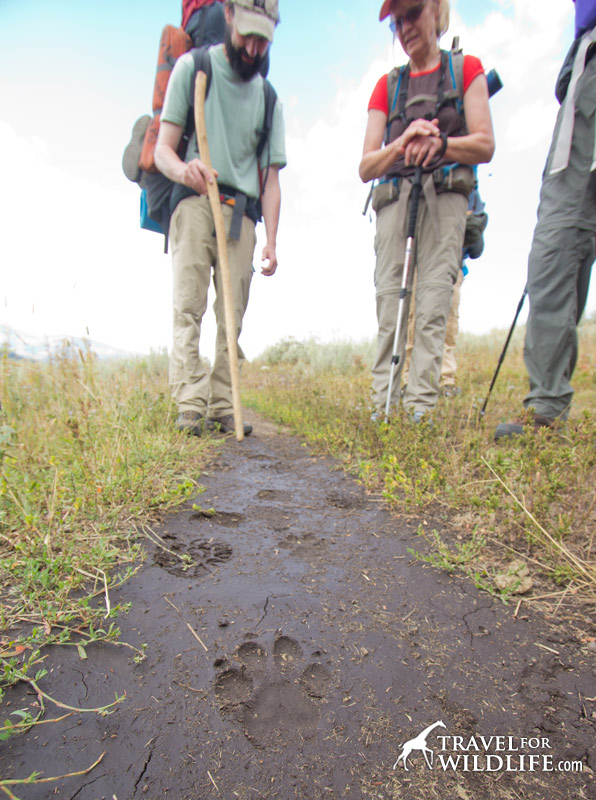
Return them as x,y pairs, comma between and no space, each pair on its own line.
88,455
534,495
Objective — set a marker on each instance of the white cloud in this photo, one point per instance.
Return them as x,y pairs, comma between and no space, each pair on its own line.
75,260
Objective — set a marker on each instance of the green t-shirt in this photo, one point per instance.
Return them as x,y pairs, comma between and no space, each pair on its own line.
234,114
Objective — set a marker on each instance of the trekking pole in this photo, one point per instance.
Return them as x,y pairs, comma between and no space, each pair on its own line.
414,202
222,252
502,356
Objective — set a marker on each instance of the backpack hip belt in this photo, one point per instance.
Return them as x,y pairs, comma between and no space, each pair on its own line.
241,203
242,206
458,178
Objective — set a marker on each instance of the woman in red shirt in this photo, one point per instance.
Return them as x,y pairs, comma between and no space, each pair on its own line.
446,141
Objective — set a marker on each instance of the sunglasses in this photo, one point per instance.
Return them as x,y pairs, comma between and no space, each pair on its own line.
411,16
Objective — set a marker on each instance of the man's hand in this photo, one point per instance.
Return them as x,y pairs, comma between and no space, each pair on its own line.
196,175
269,255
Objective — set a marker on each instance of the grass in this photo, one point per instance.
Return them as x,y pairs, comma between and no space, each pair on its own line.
534,495
88,456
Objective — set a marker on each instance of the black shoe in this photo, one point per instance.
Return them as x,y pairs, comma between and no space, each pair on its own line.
520,426
226,424
190,422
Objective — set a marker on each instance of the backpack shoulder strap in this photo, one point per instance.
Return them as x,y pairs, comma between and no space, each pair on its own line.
270,100
397,93
456,68
202,61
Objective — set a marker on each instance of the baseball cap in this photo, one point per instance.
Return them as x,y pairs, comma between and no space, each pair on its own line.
256,17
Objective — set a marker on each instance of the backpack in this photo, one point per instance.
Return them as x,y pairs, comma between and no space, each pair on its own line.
204,21
381,192
190,6
203,25
173,43
476,222
452,71
160,195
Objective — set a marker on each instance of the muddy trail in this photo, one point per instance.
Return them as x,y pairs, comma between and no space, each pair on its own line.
305,651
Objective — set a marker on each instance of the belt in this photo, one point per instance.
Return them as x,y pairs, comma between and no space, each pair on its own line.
242,205
229,196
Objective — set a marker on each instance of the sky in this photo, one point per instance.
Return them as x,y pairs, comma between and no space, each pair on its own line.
75,76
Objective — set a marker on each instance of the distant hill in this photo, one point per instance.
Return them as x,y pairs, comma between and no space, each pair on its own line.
26,346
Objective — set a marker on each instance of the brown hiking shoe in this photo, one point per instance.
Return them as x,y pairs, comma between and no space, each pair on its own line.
190,422
520,426
226,424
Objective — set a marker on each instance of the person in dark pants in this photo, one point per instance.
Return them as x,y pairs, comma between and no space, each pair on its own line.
563,248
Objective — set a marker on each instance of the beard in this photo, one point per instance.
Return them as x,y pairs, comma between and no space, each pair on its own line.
246,70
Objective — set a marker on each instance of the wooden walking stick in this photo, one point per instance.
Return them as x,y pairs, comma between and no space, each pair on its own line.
222,252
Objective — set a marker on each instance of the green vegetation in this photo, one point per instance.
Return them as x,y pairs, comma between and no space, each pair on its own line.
88,455
534,495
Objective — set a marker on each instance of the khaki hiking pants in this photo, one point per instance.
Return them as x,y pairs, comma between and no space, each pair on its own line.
437,260
449,364
194,259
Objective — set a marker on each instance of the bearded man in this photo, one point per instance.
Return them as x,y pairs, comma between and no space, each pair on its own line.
234,114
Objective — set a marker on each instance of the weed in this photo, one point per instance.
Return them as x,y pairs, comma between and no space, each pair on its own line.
88,453
453,468
444,556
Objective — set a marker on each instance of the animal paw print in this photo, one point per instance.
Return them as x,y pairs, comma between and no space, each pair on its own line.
273,699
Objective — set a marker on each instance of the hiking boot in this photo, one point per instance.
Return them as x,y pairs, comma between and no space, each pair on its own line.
520,426
132,152
190,422
418,417
226,424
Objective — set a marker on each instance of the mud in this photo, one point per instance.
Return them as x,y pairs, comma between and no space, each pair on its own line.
294,648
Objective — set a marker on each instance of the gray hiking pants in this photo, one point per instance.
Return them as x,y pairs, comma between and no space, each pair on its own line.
560,261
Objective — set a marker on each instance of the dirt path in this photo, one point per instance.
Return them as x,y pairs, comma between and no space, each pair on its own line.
301,653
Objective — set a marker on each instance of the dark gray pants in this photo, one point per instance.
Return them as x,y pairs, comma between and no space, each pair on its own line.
560,261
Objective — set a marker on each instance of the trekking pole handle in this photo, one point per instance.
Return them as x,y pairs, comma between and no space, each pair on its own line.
414,201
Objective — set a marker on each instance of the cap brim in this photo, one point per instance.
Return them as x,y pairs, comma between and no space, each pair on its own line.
385,10
251,23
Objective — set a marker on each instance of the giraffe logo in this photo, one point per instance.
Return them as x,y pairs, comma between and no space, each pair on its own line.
419,743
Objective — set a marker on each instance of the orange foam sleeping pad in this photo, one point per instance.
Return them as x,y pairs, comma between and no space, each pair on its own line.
174,42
